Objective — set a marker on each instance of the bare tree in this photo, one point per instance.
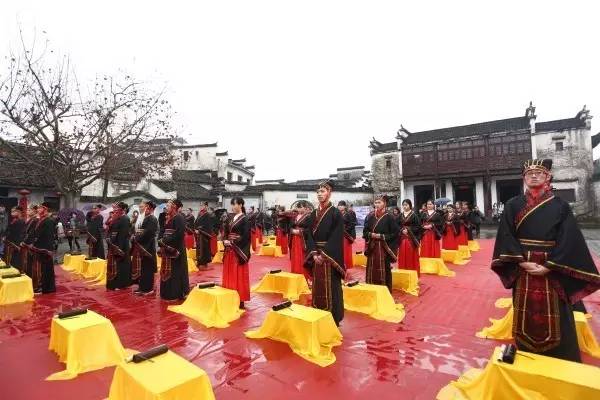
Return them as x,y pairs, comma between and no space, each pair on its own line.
54,128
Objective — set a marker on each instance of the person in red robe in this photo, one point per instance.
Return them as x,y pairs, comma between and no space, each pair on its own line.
301,224
410,230
190,241
451,229
463,217
236,240
431,223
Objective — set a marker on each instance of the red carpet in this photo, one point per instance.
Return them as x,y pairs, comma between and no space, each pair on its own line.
434,344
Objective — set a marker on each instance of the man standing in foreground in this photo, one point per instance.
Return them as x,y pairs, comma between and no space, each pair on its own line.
542,256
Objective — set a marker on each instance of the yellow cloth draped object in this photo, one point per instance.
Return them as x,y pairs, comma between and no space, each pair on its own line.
474,245
501,329
359,260
213,307
270,251
2,263
86,342
9,271
435,266
406,280
453,257
585,336
73,264
464,251
373,300
93,269
531,377
15,290
503,302
310,333
290,285
218,258
191,262
167,377
191,253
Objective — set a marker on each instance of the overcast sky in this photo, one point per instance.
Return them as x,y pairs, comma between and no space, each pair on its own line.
299,88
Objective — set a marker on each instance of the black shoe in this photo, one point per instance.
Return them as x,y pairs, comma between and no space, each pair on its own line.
242,306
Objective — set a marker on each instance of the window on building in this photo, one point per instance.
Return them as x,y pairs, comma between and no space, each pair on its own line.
239,178
248,181
3,192
197,157
302,196
346,176
558,146
229,176
520,148
388,164
567,195
186,155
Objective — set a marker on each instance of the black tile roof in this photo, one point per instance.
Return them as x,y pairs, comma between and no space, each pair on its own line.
595,139
191,176
286,187
559,125
384,147
351,168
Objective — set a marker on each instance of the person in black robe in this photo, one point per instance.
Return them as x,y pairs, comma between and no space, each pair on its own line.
349,233
236,239
42,261
409,238
466,219
380,233
541,255
174,279
118,263
143,250
15,232
203,228
28,239
161,222
325,256
95,225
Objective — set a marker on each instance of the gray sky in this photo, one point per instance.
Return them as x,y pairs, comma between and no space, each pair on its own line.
299,88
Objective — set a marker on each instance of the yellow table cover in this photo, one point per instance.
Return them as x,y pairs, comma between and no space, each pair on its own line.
291,286
310,333
191,262
271,251
585,336
15,290
73,263
435,266
503,302
531,377
501,329
2,263
8,271
167,377
87,342
218,258
191,253
474,245
453,257
93,269
66,264
406,280
373,300
464,251
213,307
359,260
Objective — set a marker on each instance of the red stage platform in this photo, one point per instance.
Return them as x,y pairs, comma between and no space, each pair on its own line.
412,360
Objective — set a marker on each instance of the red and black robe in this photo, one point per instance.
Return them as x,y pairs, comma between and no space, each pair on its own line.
380,252
28,239
174,279
94,237
543,230
408,248
451,231
430,241
189,231
143,254
299,242
15,232
465,228
42,261
236,274
281,232
204,231
349,237
118,264
326,240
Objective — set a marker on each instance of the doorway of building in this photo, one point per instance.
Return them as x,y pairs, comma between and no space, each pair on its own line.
464,191
507,189
422,194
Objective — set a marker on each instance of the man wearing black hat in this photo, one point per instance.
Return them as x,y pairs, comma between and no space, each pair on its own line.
325,256
174,279
15,233
349,233
143,257
204,231
118,264
42,263
94,233
542,256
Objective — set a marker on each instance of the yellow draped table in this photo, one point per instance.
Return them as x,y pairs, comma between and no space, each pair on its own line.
165,377
270,250
531,377
474,245
213,307
2,263
93,269
359,260
406,280
15,290
501,329
453,257
86,342
435,266
191,262
373,300
8,271
291,286
463,251
218,258
191,253
310,333
73,263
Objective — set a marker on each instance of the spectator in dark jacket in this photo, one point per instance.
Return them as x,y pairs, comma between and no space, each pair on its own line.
476,218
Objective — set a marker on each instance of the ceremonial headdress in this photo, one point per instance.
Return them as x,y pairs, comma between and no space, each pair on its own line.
538,164
327,184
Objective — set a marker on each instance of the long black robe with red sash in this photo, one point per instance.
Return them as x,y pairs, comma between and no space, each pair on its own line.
465,228
236,273
430,241
28,239
299,241
42,261
380,252
118,263
544,231
326,239
451,231
94,236
282,232
15,232
203,226
349,237
174,279
143,254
